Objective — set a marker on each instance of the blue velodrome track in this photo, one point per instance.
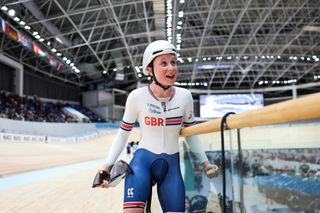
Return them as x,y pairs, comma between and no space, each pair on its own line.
28,177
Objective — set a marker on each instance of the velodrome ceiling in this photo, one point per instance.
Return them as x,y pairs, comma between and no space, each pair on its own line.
223,44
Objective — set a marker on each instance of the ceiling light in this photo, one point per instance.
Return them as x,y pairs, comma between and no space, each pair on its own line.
22,23
311,28
11,12
4,8
137,69
181,60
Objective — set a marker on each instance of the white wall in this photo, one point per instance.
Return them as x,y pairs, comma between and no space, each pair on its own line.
46,129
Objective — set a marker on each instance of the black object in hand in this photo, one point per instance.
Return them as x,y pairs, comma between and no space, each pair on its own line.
119,170
100,177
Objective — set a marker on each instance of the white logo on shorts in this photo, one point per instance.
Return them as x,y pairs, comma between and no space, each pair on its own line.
130,192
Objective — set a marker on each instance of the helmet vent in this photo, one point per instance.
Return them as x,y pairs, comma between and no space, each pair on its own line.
159,51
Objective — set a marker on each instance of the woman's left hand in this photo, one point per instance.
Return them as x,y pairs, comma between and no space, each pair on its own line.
211,170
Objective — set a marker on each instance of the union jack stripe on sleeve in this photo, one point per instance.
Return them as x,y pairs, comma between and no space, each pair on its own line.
126,126
186,124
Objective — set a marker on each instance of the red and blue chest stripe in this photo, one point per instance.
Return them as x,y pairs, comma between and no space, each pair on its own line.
172,121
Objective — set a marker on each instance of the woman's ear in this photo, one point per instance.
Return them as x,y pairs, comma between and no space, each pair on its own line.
149,69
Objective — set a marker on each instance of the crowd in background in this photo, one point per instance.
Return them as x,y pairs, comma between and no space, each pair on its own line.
12,106
304,162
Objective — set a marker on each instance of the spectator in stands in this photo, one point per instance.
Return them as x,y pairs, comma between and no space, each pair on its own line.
256,168
129,149
304,168
4,113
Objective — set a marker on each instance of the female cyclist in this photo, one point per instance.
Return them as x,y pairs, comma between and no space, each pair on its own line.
161,110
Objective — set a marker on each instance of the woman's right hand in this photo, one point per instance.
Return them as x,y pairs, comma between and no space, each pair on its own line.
105,183
105,173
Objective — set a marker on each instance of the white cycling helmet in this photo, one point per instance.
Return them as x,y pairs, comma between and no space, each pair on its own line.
155,49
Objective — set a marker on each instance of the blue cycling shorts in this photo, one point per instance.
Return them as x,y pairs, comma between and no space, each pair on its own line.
164,169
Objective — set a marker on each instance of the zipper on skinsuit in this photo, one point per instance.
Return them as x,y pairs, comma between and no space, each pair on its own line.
164,107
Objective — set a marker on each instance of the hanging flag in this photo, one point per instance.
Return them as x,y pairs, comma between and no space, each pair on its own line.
53,61
37,50
24,41
10,32
1,25
27,42
60,67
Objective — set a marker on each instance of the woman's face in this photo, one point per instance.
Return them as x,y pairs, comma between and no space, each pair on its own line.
165,68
